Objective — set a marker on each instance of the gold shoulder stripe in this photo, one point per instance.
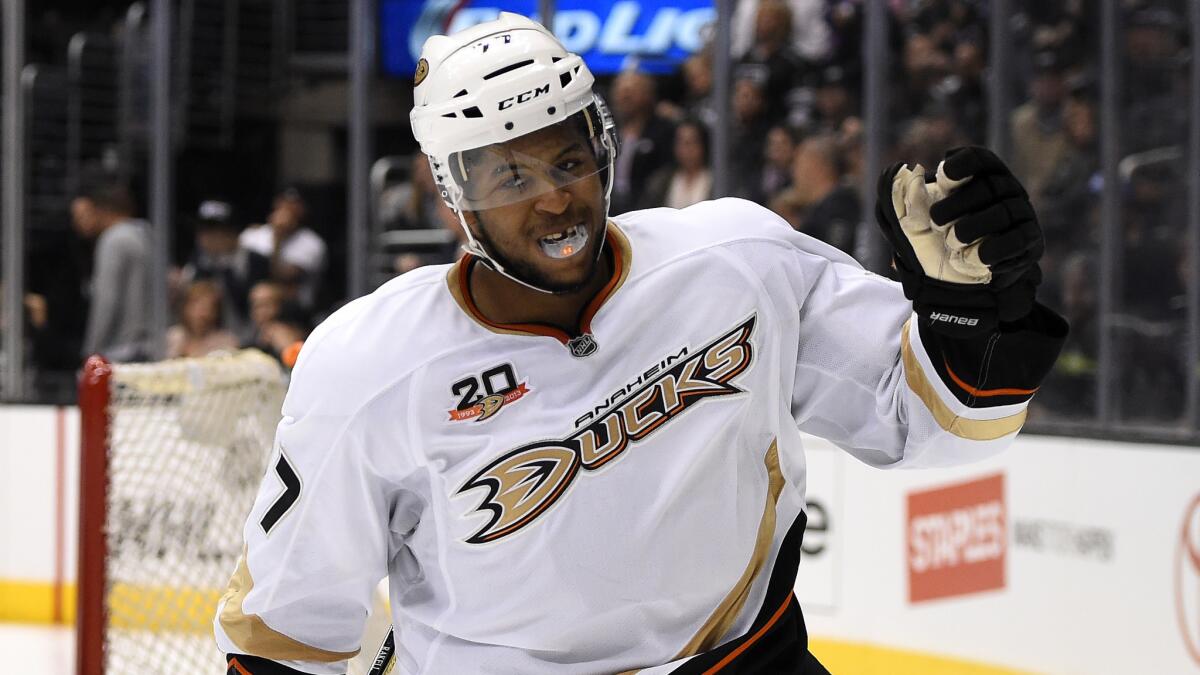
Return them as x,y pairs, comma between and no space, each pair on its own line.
252,635
963,427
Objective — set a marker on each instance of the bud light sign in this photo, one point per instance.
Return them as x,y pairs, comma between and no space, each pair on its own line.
609,34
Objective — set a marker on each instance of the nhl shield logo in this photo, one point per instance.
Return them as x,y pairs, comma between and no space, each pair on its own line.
582,345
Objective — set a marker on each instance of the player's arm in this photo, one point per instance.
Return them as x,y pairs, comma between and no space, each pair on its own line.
947,378
966,244
318,537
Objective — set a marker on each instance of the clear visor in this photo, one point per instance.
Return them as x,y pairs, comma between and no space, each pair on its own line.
555,158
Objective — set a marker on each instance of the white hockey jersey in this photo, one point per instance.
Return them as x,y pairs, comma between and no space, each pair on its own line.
627,499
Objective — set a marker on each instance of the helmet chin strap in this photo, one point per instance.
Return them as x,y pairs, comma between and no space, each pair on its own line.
475,248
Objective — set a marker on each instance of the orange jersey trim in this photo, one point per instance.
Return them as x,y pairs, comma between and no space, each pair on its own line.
754,638
464,292
236,665
459,282
985,392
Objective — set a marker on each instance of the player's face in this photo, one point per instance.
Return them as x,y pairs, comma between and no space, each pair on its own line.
547,220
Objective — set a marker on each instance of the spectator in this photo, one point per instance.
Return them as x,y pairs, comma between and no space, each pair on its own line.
297,254
1038,140
49,350
199,330
118,325
928,137
646,137
697,78
790,207
56,273
776,173
834,102
688,179
283,334
1072,187
1070,389
925,67
1151,222
771,59
1154,84
850,143
278,325
750,125
832,212
964,90
808,34
266,304
218,258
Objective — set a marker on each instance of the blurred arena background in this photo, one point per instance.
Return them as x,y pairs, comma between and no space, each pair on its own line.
797,105
263,151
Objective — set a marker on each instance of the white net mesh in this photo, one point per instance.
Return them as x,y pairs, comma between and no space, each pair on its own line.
189,442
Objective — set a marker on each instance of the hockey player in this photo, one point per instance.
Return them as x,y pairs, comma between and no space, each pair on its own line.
578,449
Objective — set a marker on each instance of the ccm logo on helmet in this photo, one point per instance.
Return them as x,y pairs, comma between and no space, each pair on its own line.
525,96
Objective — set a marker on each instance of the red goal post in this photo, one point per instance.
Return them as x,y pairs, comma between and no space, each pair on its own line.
171,457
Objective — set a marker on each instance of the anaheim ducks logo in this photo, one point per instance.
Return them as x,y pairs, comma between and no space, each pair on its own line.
422,71
526,482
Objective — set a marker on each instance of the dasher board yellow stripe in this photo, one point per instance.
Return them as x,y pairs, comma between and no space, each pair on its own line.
33,601
178,610
143,607
857,658
163,608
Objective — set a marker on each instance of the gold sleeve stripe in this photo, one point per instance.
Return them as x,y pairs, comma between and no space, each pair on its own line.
963,427
722,618
253,636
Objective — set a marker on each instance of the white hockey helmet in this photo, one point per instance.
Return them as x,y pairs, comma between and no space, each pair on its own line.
491,84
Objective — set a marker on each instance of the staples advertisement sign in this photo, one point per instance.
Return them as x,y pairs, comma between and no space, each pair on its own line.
659,34
957,539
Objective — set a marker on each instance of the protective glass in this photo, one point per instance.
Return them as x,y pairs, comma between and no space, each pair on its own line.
501,175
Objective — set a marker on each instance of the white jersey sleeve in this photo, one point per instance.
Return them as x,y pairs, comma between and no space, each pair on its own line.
872,381
321,532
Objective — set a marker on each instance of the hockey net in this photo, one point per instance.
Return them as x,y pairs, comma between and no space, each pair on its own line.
172,455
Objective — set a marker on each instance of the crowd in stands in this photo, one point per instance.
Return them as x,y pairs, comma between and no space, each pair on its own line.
797,131
244,285
798,149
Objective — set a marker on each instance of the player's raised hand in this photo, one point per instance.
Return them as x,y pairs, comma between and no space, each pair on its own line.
966,242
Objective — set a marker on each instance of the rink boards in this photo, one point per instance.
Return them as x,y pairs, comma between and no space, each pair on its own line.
1060,556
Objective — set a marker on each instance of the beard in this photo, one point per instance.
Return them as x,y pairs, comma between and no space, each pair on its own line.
528,273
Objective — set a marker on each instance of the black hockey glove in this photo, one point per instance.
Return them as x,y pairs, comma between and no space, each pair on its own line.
965,244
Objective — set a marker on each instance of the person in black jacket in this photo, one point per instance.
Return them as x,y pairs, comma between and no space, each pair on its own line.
833,212
646,137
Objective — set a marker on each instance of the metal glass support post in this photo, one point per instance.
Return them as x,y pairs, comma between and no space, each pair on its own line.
162,178
1192,364
1110,204
722,97
362,70
999,85
133,28
12,337
546,12
872,251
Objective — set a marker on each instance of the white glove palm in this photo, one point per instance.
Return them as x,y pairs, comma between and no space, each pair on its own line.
941,254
